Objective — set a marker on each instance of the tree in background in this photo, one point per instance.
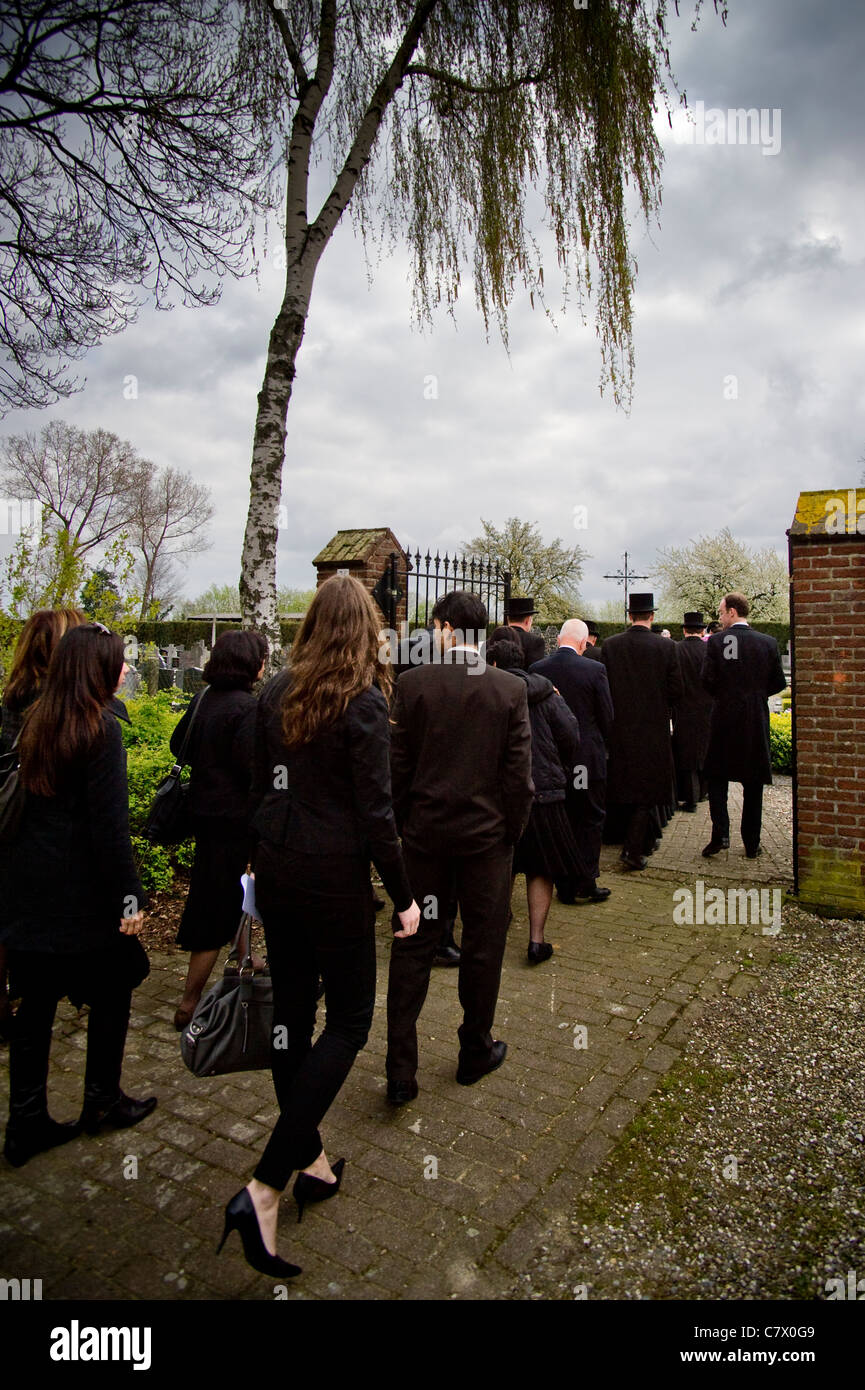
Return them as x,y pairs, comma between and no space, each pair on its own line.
166,526
225,598
697,576
476,108
132,158
549,573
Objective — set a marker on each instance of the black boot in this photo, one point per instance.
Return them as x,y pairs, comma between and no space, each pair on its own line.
31,1129
121,1113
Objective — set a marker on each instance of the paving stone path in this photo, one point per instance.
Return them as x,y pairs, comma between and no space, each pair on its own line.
448,1197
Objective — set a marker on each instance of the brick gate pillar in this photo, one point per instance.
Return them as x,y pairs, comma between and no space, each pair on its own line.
364,554
827,626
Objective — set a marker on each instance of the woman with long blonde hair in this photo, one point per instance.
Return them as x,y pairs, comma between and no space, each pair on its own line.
321,811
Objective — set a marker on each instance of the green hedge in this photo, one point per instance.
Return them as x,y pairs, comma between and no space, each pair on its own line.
781,741
149,759
182,633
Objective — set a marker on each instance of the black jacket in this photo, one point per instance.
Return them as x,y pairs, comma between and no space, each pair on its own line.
69,876
461,756
332,796
584,686
645,685
693,712
533,644
220,753
555,738
742,669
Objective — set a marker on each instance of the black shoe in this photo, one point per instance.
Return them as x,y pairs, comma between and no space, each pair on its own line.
401,1092
598,895
377,902
125,1112
715,847
631,865
498,1052
24,1141
539,951
447,955
688,806
754,853
240,1216
309,1189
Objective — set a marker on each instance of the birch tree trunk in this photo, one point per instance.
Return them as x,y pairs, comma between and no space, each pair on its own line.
304,244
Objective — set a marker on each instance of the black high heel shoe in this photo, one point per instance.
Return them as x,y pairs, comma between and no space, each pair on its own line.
240,1216
309,1189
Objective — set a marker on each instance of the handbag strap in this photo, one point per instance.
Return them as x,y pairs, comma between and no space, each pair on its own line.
241,950
181,757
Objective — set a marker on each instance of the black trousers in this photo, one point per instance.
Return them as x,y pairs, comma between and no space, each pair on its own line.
483,889
318,920
752,811
42,980
586,810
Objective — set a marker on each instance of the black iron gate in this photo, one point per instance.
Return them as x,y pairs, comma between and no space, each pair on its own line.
411,586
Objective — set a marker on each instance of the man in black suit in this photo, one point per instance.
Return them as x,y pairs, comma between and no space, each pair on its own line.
461,751
584,687
692,716
519,620
645,685
593,651
742,669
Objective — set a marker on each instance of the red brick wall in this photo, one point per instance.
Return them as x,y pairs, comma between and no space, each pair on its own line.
370,572
828,586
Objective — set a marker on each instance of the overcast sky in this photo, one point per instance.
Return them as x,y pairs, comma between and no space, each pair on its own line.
755,273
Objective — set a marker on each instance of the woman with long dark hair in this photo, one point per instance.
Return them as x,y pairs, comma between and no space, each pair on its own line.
33,651
220,757
71,905
322,810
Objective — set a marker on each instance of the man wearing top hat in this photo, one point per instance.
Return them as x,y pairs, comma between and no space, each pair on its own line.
645,685
592,651
742,669
692,716
519,617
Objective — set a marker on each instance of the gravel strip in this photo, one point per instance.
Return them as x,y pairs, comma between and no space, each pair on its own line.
743,1177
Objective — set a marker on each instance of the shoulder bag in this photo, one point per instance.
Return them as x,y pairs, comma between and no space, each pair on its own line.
11,795
168,821
232,1026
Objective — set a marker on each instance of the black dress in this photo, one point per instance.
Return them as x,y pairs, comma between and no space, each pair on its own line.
220,758
547,848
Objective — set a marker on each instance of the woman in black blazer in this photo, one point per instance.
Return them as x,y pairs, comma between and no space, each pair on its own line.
71,902
321,810
220,758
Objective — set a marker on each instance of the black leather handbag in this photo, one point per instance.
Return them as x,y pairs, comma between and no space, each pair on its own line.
11,795
168,820
232,1026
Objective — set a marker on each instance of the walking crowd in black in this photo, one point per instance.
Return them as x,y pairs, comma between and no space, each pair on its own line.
492,759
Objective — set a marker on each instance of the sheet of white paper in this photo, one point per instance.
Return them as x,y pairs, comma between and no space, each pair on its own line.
248,881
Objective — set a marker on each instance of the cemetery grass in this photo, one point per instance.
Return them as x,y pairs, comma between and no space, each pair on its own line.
742,1177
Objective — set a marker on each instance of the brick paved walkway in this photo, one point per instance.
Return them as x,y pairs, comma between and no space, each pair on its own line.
137,1214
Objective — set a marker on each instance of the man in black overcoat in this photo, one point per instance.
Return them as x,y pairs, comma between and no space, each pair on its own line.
742,669
584,687
461,758
691,716
519,620
645,685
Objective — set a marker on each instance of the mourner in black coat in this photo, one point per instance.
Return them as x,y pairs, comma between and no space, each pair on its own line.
742,669
592,650
645,685
521,610
691,716
585,688
462,792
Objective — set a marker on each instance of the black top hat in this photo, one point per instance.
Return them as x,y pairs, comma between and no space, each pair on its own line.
693,620
593,628
520,608
641,603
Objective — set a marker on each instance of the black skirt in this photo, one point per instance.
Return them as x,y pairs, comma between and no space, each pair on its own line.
548,848
211,915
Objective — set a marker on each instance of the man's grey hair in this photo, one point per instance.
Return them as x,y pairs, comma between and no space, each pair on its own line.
573,632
